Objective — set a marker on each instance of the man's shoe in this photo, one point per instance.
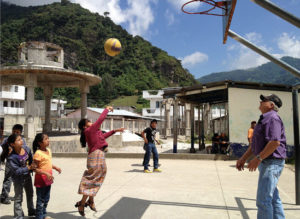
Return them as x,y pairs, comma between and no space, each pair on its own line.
5,201
147,171
157,170
31,214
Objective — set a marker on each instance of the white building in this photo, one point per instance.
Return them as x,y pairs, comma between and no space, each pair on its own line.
57,108
156,109
12,100
155,97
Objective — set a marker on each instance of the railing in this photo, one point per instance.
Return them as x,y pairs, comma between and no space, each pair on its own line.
153,94
12,95
13,111
152,112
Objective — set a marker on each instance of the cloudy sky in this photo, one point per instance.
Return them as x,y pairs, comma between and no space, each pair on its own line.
197,39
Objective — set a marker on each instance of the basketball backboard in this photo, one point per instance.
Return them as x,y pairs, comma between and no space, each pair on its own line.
213,8
227,17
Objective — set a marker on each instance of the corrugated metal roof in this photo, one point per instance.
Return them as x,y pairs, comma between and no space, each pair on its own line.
117,112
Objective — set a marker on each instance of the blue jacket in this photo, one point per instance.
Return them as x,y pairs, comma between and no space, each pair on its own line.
5,140
19,170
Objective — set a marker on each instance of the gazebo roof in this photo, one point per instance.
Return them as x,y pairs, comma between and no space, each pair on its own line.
46,75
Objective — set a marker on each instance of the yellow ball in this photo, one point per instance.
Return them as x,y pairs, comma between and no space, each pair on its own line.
112,47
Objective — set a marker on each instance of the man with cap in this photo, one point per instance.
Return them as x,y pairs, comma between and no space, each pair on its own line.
269,150
150,147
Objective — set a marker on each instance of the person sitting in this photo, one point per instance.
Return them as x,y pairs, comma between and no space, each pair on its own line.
215,144
223,142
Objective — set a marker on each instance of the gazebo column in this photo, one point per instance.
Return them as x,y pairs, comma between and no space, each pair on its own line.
187,109
111,124
29,127
84,90
167,118
48,91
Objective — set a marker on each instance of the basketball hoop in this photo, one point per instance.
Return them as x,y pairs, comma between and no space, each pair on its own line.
221,4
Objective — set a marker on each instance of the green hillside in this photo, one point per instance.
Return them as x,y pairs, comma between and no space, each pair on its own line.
82,34
266,73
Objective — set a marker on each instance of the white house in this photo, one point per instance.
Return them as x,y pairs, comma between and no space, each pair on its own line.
57,108
155,97
156,109
12,100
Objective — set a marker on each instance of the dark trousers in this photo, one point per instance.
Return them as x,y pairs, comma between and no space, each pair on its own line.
43,196
6,182
215,148
19,184
151,148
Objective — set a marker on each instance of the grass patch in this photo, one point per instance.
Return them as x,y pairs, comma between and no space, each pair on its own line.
137,101
125,101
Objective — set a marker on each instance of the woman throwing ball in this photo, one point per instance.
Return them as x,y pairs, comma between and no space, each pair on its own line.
94,176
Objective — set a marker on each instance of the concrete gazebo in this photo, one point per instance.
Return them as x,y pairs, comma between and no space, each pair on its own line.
42,65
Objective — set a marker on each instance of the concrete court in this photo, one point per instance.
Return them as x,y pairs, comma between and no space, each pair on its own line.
185,189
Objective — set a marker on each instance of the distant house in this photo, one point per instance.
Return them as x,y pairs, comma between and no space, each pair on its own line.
57,108
12,100
157,109
12,103
156,98
13,107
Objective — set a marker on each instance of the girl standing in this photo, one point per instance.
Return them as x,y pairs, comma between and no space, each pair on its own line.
43,177
94,176
20,161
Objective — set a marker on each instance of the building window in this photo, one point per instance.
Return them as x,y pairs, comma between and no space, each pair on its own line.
5,104
16,89
12,104
17,104
157,104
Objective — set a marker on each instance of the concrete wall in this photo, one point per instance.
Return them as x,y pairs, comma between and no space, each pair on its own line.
243,108
71,144
10,120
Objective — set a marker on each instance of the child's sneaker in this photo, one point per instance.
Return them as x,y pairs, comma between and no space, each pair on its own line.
157,170
147,171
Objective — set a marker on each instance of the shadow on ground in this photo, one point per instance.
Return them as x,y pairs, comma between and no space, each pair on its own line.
61,215
134,171
139,206
137,165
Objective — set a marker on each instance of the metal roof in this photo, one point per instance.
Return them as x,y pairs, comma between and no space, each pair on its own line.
229,83
120,112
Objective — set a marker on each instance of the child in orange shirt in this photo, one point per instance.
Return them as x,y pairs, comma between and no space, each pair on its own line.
43,177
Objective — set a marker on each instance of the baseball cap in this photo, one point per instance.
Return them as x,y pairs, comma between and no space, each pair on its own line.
272,97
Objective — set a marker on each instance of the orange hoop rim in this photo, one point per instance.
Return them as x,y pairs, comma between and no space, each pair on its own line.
221,4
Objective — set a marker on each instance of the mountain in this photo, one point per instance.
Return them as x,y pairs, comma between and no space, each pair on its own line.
266,73
82,34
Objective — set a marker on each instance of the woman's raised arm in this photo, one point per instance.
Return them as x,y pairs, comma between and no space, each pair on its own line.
101,118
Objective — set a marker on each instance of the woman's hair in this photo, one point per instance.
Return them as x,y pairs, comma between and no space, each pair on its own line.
81,125
10,140
37,140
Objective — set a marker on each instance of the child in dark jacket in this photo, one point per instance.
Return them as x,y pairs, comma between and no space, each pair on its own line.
20,161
